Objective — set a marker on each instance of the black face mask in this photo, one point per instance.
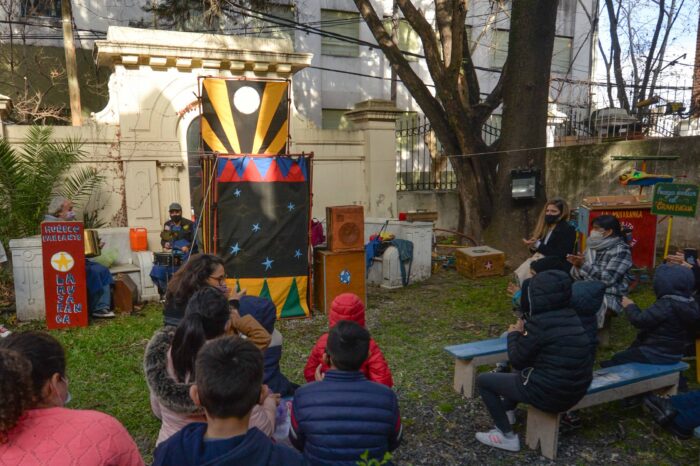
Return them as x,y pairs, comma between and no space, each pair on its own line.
176,218
550,219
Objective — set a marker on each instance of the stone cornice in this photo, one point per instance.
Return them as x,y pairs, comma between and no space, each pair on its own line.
184,51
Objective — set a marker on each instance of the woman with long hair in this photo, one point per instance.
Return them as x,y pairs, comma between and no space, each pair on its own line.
200,271
171,353
607,258
553,236
34,423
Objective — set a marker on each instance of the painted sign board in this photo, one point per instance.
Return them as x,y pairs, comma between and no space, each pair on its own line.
676,199
65,284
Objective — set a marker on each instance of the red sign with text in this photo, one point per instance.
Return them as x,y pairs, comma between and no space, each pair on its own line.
65,284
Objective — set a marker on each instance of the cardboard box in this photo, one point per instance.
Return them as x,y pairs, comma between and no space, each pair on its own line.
480,261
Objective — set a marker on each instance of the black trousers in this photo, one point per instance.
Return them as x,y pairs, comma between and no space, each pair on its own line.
623,357
500,394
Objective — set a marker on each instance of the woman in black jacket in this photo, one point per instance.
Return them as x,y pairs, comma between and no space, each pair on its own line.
552,354
553,236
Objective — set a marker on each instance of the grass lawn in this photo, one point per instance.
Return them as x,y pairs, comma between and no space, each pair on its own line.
411,325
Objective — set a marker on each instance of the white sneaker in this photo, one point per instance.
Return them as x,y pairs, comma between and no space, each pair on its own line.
4,332
495,438
511,416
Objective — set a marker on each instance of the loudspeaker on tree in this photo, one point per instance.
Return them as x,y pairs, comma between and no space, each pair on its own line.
345,228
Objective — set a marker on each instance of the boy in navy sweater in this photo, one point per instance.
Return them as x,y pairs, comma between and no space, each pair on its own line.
229,374
361,416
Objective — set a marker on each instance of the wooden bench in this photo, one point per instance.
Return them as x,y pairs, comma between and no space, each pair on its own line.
609,384
469,356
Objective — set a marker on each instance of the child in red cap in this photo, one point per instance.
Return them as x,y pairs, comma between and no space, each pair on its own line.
348,306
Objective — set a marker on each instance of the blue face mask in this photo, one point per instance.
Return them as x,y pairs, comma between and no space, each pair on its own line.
69,397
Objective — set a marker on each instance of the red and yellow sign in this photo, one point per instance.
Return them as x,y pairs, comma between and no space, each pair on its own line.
65,284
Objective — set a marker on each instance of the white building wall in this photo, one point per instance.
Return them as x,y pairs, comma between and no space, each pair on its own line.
316,89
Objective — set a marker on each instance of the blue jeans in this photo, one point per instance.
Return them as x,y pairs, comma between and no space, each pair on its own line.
100,299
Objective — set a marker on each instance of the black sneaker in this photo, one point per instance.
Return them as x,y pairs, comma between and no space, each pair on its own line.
103,314
501,367
661,409
570,421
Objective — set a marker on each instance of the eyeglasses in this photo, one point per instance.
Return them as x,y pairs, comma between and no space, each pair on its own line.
221,280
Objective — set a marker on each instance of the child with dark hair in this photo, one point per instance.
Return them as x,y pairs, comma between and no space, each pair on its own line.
169,362
338,419
34,422
228,385
348,306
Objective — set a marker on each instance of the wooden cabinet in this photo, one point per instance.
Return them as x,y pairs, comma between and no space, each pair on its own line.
480,261
336,273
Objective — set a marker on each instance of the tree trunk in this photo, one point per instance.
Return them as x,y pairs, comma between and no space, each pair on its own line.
71,63
616,52
524,124
695,104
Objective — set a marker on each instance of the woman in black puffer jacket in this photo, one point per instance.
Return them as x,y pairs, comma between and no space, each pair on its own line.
552,353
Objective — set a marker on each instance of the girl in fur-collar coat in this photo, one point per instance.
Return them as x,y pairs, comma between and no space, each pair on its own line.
170,356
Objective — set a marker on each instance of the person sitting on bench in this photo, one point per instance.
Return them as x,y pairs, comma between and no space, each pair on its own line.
607,258
552,355
663,327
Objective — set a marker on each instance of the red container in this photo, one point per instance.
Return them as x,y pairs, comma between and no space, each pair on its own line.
138,237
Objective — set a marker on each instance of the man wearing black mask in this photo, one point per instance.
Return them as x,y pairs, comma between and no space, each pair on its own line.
180,230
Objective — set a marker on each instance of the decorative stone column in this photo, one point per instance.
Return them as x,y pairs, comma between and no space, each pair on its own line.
170,185
377,119
5,109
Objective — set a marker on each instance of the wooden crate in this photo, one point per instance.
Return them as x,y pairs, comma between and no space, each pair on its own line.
480,261
336,273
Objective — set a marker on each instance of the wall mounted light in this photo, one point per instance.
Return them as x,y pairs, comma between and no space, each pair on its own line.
523,184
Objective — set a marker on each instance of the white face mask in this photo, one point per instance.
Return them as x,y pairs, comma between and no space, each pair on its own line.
595,234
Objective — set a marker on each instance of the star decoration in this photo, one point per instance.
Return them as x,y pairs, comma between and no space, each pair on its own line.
268,263
63,263
297,253
256,227
290,206
345,277
488,265
235,249
237,192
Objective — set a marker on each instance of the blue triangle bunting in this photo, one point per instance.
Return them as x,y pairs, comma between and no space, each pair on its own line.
262,164
220,165
284,164
240,164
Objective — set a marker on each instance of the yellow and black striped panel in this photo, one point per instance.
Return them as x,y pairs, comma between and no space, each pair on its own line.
245,117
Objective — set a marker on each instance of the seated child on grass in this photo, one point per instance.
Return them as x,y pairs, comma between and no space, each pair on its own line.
338,419
348,306
663,327
228,384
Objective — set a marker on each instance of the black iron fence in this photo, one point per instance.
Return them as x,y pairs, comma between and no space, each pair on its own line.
421,164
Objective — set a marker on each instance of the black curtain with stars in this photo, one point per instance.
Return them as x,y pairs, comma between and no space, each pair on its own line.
262,227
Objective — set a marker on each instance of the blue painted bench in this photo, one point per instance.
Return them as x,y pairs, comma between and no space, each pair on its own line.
469,356
609,384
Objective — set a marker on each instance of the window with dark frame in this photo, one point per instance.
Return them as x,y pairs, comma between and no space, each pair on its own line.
40,8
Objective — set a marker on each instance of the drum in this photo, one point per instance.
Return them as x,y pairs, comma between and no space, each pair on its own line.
91,242
163,258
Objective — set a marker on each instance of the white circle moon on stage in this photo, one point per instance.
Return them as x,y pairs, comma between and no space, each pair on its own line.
246,100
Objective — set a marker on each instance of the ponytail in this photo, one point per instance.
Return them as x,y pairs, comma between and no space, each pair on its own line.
15,389
206,317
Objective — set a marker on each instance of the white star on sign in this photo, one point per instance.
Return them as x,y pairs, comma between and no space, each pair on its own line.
237,192
256,227
235,249
268,263
297,253
290,206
